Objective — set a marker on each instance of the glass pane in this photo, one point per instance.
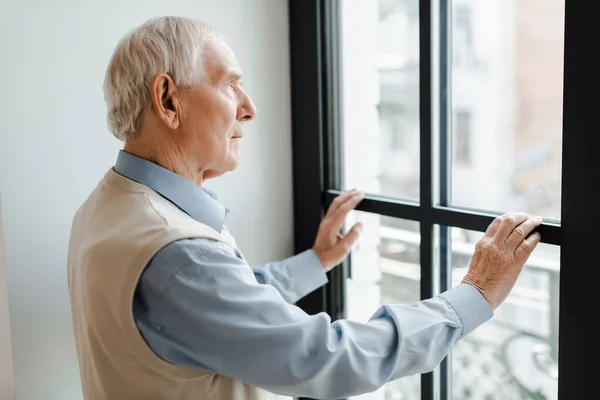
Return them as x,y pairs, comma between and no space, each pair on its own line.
514,355
380,96
385,269
507,70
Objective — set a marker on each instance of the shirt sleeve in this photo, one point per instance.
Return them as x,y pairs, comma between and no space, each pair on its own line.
200,306
294,277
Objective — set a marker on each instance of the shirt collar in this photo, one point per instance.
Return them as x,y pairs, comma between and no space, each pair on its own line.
199,203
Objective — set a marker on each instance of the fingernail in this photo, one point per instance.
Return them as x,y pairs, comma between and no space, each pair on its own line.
359,227
538,218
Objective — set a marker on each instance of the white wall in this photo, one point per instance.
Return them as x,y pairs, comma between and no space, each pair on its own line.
6,362
54,147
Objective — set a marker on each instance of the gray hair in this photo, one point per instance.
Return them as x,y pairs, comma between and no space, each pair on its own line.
171,45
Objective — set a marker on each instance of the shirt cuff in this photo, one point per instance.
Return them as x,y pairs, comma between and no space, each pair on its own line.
306,272
469,305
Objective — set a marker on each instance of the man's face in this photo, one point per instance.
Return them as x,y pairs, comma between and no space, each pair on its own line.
214,111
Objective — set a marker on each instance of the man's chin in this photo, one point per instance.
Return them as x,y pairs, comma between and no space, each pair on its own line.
226,167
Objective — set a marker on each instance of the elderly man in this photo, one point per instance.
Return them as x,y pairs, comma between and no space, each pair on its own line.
164,304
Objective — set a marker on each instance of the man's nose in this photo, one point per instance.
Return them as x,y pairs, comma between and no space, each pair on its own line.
247,109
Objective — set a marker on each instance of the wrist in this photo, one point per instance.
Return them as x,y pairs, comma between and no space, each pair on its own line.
325,263
481,288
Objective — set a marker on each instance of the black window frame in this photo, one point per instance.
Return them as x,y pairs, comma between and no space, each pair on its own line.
314,62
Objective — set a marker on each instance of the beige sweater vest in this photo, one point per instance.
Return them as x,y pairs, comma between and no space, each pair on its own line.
114,235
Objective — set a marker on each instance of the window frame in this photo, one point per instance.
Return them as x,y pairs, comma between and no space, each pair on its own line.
314,28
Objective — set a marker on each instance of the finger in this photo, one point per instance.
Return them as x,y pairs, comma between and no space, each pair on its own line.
527,246
341,213
493,227
509,223
339,200
351,237
519,234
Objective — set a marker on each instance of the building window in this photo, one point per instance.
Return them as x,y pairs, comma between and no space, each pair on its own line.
462,137
462,39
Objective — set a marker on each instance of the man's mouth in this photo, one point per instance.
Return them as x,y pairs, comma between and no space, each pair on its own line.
237,134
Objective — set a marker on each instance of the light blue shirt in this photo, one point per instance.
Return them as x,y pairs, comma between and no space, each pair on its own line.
198,304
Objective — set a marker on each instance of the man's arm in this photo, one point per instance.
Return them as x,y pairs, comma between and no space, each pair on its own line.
294,277
198,305
297,276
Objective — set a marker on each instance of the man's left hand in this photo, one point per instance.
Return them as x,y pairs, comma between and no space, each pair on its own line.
331,246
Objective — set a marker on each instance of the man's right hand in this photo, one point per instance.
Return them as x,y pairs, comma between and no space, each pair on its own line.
500,255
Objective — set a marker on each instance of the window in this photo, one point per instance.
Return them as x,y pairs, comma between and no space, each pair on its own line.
462,137
462,40
448,114
507,107
514,355
393,244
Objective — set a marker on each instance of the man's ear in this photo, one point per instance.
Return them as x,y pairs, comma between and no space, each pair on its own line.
165,100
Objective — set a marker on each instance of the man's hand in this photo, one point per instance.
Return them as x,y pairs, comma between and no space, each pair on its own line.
500,255
330,246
